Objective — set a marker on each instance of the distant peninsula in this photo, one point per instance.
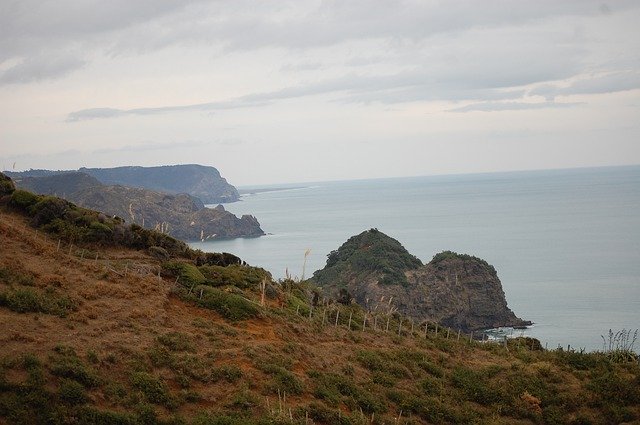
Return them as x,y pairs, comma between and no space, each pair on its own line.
201,181
456,290
182,215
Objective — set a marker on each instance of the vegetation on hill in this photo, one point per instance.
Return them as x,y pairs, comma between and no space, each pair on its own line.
180,215
141,336
200,181
370,251
458,290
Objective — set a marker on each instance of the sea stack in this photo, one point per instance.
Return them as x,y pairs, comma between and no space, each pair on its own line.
456,290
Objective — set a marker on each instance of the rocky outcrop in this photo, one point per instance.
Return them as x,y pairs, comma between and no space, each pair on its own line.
179,215
455,290
200,181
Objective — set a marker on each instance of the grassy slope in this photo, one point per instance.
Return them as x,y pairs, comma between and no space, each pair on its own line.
108,341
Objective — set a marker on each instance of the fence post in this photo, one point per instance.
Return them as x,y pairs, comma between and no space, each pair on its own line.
350,314
337,316
364,322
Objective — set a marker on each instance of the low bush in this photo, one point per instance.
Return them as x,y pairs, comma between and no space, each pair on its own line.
66,364
230,306
475,386
176,341
188,274
72,392
153,389
229,373
241,276
28,300
322,414
21,199
371,360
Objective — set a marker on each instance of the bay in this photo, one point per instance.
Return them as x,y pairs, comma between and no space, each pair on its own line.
565,243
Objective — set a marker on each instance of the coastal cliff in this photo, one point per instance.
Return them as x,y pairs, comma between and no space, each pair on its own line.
182,216
456,290
201,181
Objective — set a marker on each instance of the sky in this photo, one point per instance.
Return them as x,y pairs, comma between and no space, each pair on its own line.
299,91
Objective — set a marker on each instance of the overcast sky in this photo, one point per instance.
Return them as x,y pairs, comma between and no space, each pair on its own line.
293,91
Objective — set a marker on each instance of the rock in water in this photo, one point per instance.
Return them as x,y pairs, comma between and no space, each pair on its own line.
459,291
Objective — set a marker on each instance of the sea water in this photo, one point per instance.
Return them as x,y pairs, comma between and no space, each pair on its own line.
565,243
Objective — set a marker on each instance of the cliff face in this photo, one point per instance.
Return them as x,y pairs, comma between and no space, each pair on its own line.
458,291
200,181
181,215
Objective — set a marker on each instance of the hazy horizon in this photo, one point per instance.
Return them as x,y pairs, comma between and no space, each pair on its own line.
291,183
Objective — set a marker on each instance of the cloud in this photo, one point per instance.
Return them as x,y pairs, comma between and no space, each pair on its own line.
511,106
121,27
41,66
393,88
600,84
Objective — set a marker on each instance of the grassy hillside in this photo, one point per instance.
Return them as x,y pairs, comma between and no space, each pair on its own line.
100,332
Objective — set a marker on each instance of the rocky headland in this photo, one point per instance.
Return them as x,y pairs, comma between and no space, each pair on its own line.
201,181
456,290
182,216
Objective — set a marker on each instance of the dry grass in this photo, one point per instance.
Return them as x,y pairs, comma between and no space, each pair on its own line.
152,352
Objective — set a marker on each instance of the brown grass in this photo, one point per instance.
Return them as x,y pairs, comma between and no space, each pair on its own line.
123,308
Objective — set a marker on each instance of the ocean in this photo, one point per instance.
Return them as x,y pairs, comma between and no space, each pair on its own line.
565,243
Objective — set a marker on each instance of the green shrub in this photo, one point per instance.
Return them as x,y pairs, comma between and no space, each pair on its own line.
72,392
431,368
22,199
48,209
371,360
154,390
230,306
475,386
241,276
229,373
430,386
6,185
325,415
66,364
27,300
176,341
284,381
188,274
10,276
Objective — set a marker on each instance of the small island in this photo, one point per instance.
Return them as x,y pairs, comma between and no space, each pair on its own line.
456,290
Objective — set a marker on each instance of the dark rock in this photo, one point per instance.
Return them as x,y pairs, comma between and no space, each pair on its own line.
458,291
